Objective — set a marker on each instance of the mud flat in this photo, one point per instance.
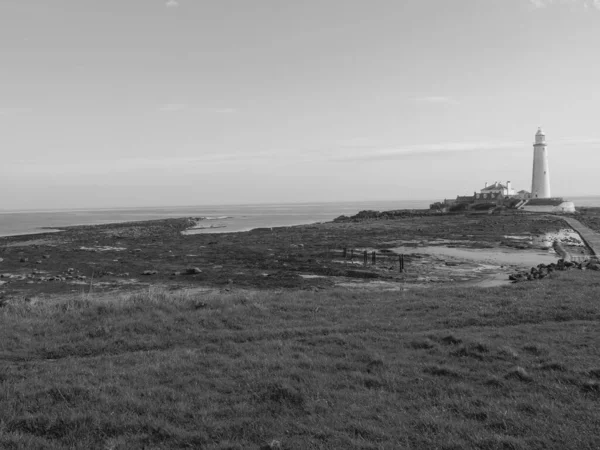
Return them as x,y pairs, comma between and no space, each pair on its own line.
478,250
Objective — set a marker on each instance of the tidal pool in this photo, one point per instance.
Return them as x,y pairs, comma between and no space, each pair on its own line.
496,256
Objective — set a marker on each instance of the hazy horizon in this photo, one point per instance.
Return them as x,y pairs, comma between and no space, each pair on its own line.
149,103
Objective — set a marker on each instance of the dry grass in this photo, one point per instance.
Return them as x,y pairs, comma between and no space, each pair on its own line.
511,368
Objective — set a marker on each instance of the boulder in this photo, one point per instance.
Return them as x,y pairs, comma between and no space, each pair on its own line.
593,265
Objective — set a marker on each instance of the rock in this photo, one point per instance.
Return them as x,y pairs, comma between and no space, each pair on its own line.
23,260
149,272
46,256
39,261
593,266
192,270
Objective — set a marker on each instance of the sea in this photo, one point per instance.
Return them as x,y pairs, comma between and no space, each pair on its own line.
216,219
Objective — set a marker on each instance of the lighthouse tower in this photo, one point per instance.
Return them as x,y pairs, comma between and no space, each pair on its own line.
540,182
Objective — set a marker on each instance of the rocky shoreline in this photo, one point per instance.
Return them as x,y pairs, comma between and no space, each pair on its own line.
542,270
437,250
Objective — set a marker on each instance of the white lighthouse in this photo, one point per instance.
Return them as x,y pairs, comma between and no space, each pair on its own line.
540,182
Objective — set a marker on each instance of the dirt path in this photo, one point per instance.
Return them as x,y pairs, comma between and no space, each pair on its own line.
591,237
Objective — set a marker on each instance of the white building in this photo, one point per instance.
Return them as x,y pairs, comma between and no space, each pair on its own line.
498,188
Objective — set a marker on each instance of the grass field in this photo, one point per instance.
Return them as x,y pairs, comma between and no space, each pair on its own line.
506,368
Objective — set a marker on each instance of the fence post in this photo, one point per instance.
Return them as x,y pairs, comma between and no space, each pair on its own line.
373,257
344,253
365,258
401,263
351,254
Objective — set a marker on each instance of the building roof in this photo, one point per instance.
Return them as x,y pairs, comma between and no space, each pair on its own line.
523,191
494,187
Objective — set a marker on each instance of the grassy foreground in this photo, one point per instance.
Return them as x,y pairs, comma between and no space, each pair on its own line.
507,368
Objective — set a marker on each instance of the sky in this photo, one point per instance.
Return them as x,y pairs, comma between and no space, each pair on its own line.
110,103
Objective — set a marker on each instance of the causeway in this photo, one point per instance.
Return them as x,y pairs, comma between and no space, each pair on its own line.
589,236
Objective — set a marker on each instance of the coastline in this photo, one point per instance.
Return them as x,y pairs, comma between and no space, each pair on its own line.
233,218
463,249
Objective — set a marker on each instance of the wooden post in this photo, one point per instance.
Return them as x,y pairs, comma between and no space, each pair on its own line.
344,253
401,263
351,254
373,257
365,258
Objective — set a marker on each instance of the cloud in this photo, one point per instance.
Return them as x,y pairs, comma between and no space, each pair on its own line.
539,3
373,153
222,110
172,107
172,4
435,99
587,4
178,107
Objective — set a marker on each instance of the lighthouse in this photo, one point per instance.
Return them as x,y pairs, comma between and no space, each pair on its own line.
540,181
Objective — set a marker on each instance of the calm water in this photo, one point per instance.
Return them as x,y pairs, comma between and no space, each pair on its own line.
218,219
